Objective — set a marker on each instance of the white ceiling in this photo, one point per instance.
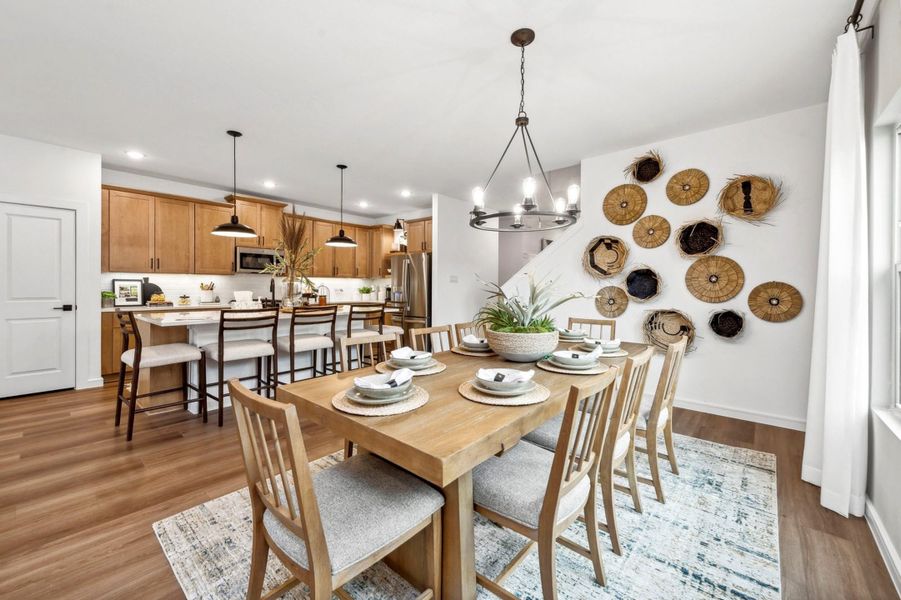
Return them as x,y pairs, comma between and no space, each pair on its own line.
409,93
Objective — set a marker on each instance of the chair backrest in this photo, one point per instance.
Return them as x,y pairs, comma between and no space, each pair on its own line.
628,399
431,339
595,327
238,319
579,444
397,309
471,328
313,315
269,303
375,344
278,475
128,326
366,313
669,379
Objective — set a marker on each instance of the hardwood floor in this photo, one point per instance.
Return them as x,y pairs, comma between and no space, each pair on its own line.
77,502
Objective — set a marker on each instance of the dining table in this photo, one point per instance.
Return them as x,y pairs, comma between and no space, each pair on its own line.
440,442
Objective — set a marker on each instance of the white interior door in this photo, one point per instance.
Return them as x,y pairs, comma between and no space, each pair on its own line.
37,299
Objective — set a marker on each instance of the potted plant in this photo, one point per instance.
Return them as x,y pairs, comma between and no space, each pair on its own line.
107,299
365,293
293,259
520,329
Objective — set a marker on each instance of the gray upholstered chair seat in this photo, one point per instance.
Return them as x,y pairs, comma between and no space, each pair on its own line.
240,350
365,504
514,484
304,342
355,333
162,354
385,328
547,433
661,418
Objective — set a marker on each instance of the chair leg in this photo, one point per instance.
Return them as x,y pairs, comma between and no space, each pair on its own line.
633,480
433,555
120,389
221,391
259,556
260,375
201,385
547,562
670,448
184,384
610,510
132,404
591,530
291,366
651,445
348,449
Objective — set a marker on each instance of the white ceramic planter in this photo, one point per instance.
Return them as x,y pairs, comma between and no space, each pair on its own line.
522,347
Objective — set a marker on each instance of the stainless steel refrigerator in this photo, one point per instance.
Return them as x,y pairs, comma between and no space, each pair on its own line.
411,282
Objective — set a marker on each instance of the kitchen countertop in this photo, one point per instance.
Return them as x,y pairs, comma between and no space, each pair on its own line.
190,307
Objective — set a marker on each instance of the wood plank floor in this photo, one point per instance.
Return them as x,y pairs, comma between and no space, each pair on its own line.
77,502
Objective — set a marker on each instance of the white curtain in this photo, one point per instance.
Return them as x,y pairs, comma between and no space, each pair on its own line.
835,447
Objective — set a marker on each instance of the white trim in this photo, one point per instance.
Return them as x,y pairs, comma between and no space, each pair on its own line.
743,414
888,551
94,382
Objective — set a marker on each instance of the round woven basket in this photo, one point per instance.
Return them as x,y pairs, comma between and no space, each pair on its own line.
714,279
749,197
775,301
651,231
664,327
727,323
521,347
611,301
643,284
625,203
687,187
698,238
605,256
645,168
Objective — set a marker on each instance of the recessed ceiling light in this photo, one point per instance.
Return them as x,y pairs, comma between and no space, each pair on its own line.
363,203
406,193
269,184
134,154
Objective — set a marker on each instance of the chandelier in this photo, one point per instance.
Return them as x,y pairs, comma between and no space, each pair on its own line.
526,215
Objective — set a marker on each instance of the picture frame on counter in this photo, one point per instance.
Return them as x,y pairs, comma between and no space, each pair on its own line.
128,292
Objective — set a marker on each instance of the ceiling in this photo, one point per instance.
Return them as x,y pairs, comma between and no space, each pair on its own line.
415,94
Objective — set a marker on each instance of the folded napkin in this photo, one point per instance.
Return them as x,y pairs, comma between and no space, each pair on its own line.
407,353
511,376
573,332
471,339
378,382
598,351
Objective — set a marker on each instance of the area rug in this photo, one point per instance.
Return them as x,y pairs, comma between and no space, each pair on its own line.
716,537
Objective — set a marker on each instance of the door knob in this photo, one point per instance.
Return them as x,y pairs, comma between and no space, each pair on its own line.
64,307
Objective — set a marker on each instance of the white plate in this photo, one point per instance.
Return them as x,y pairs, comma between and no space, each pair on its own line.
506,393
476,347
423,364
572,367
360,399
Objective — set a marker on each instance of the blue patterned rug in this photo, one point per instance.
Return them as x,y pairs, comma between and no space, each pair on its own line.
716,537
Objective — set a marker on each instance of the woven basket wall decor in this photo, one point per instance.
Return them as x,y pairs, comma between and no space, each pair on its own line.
643,283
611,301
775,301
651,231
714,279
664,327
645,168
687,187
625,203
605,256
749,197
699,238
727,324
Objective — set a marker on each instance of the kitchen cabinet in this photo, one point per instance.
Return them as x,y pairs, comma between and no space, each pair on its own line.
427,235
415,236
324,262
213,254
173,237
270,226
110,346
263,216
131,234
382,238
345,258
363,252
104,231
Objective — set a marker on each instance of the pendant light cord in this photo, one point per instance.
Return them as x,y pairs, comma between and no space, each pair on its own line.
235,175
342,199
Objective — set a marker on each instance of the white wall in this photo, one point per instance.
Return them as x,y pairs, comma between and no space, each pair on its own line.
44,175
762,376
459,254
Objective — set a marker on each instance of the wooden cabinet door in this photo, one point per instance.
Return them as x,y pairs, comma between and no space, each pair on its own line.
130,232
345,258
416,236
382,241
173,238
324,262
270,231
427,234
109,362
363,252
213,254
249,214
104,231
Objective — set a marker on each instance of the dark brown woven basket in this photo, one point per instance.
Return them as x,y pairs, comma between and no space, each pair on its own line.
645,168
727,324
643,284
699,238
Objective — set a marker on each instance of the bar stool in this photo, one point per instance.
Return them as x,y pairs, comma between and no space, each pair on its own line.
231,350
295,343
370,316
145,357
396,309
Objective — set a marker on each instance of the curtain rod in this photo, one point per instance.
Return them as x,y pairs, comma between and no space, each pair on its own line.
855,19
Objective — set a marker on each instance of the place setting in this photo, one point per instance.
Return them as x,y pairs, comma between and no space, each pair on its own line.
610,348
572,335
574,362
381,395
418,361
471,345
504,387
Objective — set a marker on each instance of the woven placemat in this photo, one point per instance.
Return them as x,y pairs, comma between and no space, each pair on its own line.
549,366
384,367
538,394
465,352
342,403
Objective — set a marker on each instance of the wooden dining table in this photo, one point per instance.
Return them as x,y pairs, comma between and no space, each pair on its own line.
440,442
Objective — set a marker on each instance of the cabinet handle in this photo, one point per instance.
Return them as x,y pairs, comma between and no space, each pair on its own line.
157,263
151,262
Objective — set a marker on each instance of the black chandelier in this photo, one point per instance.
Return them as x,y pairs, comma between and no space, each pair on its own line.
526,215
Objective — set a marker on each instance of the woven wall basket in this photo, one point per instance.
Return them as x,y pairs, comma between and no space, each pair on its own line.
699,238
605,256
664,327
775,301
749,197
714,279
643,284
651,231
611,301
727,324
625,203
645,168
687,187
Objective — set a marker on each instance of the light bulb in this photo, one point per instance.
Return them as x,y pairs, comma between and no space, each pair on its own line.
528,187
559,205
517,209
478,197
572,193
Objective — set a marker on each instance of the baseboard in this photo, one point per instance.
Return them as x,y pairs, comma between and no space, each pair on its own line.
743,414
94,382
889,553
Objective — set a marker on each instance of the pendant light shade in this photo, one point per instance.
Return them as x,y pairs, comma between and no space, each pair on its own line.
233,228
341,240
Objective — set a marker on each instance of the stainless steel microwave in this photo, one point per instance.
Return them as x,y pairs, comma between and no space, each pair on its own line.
253,260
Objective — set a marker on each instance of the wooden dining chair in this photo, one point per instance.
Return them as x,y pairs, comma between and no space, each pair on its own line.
538,493
470,328
658,417
373,346
596,327
328,528
439,338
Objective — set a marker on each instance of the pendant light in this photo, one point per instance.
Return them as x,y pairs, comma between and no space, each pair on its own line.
233,228
341,240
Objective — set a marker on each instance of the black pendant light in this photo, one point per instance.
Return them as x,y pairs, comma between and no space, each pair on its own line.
341,240
233,228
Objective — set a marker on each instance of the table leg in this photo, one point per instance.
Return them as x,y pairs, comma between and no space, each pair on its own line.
458,568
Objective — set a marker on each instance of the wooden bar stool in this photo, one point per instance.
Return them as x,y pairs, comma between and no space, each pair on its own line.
398,312
145,357
314,343
370,317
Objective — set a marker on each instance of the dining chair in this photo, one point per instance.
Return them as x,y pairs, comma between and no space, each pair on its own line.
470,328
595,325
439,338
538,493
259,348
372,345
315,343
363,319
145,357
329,527
658,417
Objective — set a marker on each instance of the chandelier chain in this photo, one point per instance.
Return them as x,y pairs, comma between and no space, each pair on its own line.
522,83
